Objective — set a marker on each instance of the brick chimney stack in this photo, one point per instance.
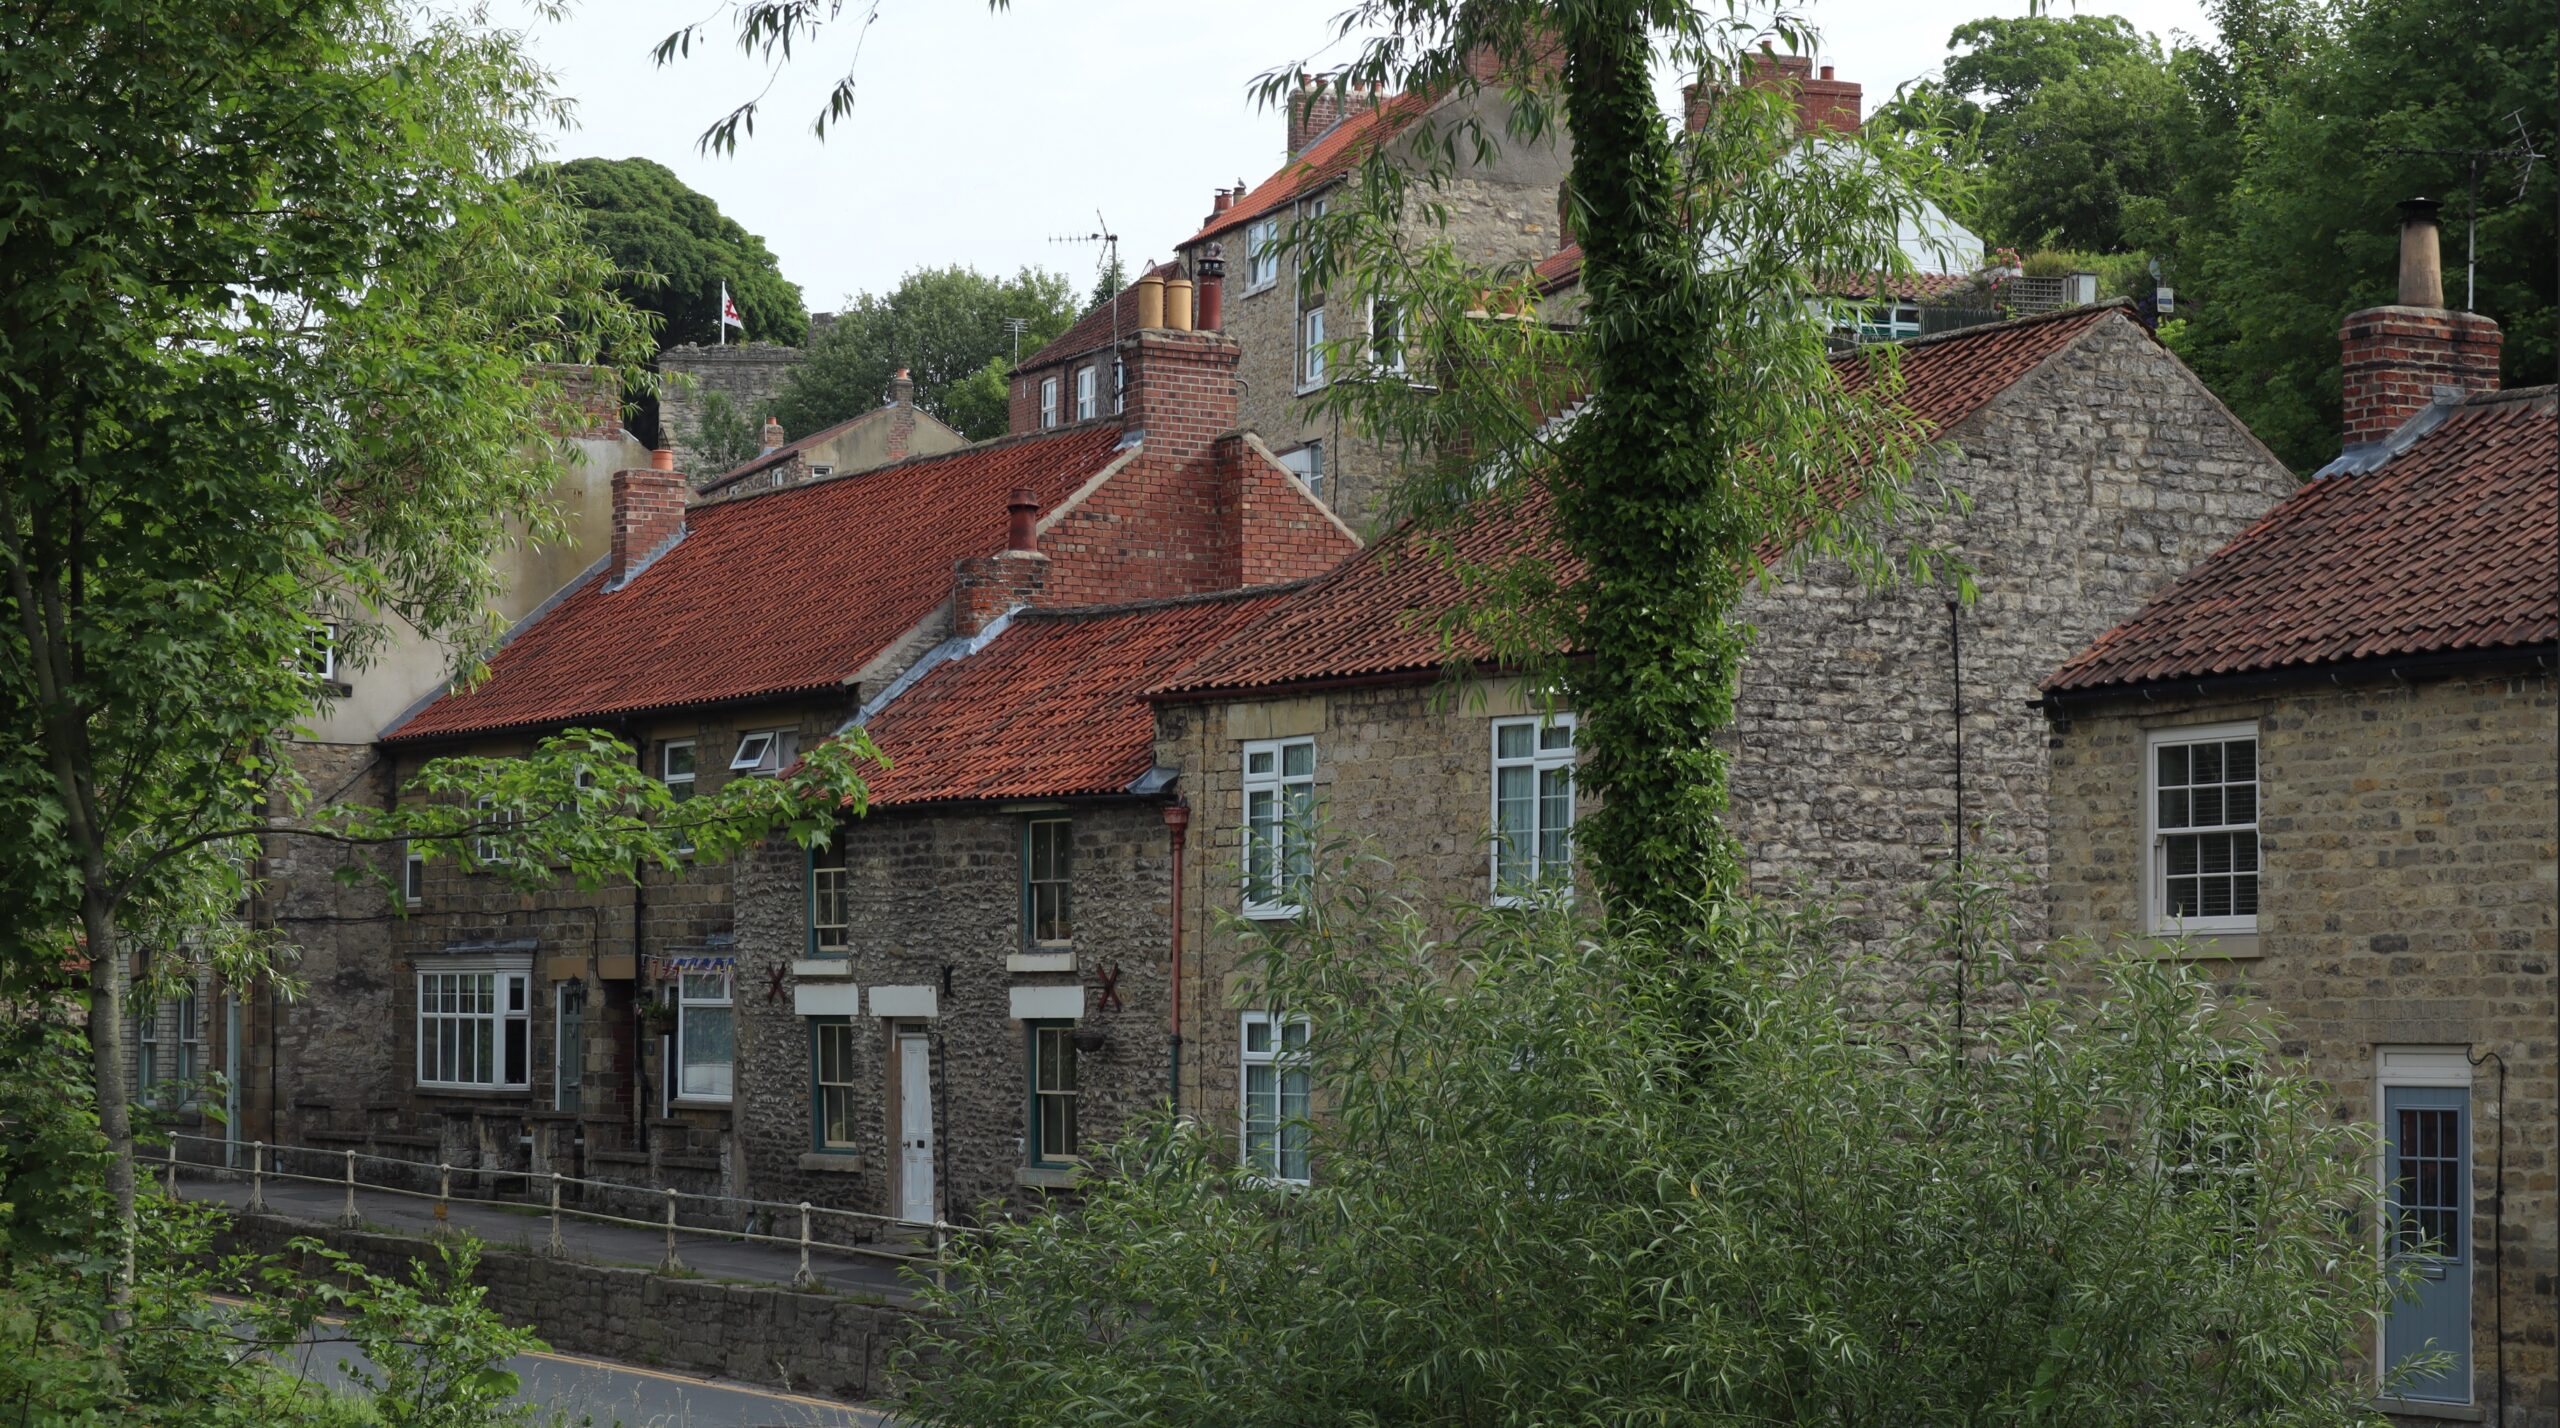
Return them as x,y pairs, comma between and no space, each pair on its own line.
1825,103
2400,358
985,587
1312,110
648,516
902,415
1182,389
773,437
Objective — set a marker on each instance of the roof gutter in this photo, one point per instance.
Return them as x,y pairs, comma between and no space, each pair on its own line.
2405,669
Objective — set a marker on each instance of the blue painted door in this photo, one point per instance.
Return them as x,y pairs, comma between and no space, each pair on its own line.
2428,1133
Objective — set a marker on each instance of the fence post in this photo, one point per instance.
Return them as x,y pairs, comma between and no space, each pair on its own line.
557,1247
941,1258
444,1193
173,1167
671,1264
804,1279
257,1177
348,1218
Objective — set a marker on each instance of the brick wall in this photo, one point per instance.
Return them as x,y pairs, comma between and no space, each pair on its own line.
937,902
2395,358
2408,838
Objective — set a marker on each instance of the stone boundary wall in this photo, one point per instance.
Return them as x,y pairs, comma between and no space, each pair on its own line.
752,1333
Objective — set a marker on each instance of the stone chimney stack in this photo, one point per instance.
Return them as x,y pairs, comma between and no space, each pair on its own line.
648,516
2400,358
772,437
902,415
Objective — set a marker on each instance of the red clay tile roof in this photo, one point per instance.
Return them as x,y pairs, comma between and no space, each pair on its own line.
2446,547
1052,707
789,449
770,594
1092,332
1562,269
1328,158
1373,616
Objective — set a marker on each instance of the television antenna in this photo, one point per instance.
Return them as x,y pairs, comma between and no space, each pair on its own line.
2522,149
1108,260
1015,325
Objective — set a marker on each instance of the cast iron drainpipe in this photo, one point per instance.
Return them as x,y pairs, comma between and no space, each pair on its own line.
1177,818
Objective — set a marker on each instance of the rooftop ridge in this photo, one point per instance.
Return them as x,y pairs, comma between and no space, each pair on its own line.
1985,329
1061,613
975,448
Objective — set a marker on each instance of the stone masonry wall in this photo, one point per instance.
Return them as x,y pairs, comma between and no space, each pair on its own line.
2409,847
749,1333
749,374
937,903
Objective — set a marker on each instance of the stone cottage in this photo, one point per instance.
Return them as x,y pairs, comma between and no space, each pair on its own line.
2098,467
595,1032
892,431
2325,764
980,970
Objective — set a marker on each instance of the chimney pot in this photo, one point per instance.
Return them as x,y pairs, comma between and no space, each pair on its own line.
1022,520
772,437
1177,303
2421,255
1826,72
662,459
1151,300
902,388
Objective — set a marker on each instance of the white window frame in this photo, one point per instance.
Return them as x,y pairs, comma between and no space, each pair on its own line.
413,878
1282,1063
830,891
510,989
1261,254
1085,410
765,752
2155,864
1286,829
486,847
1048,403
689,1005
326,635
1540,761
1311,348
1391,365
1119,385
1306,461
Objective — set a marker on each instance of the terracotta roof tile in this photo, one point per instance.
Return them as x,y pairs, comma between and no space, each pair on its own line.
1373,616
2446,547
1053,706
1092,332
1328,158
770,594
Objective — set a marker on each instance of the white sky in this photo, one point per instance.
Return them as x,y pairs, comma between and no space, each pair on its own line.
978,136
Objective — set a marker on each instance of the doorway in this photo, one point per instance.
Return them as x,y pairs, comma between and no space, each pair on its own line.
915,1127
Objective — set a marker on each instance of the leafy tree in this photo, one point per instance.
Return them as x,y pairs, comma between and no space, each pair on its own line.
946,326
1114,277
1544,1192
274,297
724,435
2084,162
676,249
2312,153
2001,64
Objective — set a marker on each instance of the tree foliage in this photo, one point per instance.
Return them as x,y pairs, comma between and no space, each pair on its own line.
1544,1191
676,248
947,327
723,436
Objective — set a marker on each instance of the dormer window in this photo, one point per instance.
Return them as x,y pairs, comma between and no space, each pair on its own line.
765,751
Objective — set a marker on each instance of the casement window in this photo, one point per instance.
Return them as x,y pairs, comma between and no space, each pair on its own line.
830,903
1279,799
489,846
320,660
1053,1092
1119,385
1311,349
474,1031
765,751
568,1044
413,878
1888,321
706,1039
676,771
1048,402
1084,394
1308,463
2427,1228
1276,1080
2204,829
831,1125
1262,254
1532,804
1048,892
1386,337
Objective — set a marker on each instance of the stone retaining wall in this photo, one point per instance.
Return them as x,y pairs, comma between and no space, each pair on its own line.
753,1333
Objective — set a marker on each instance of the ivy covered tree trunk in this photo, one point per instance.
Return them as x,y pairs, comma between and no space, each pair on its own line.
1663,546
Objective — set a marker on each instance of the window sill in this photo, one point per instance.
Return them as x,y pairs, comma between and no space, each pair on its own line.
1058,961
700,1103
1049,1177
2441,1412
1260,288
2206,947
831,1162
1271,914
1308,389
476,1093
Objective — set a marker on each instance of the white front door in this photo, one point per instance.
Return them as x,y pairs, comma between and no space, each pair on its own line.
915,1129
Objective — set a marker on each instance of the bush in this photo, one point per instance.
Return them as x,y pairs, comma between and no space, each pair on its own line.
1565,1174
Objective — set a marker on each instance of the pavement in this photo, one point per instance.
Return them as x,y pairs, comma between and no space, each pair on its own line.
707,1253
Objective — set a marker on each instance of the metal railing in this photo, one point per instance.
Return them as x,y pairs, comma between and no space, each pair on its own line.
807,1215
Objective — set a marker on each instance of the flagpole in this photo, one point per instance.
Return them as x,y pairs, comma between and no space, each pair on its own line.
723,323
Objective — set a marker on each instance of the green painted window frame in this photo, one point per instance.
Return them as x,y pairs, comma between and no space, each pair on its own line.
809,906
1031,939
1040,1154
818,1142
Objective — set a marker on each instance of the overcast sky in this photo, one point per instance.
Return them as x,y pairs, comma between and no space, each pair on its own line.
978,137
